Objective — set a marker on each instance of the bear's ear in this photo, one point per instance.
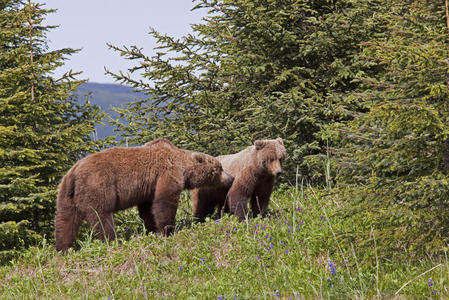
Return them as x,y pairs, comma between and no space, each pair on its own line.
259,144
198,157
280,141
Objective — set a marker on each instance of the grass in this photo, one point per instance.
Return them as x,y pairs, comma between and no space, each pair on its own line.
294,253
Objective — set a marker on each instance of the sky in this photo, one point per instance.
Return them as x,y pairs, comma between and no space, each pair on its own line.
88,25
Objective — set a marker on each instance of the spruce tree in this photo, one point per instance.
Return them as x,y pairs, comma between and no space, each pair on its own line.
43,129
392,158
251,69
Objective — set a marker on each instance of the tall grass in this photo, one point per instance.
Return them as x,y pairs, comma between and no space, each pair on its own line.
296,252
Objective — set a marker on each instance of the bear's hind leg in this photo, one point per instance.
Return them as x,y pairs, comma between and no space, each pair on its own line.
67,224
205,200
102,223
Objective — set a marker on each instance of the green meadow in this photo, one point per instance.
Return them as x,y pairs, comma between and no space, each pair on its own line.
294,253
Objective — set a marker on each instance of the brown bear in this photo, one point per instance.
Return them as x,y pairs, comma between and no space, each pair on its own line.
151,177
254,169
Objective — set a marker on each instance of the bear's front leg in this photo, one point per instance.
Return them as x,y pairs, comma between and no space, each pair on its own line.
261,197
165,204
146,214
237,200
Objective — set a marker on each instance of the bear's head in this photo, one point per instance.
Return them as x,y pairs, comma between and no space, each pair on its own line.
206,170
270,155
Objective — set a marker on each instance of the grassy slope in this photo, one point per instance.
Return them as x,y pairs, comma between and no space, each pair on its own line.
285,254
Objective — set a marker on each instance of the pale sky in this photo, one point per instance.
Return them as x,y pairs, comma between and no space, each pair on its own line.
90,24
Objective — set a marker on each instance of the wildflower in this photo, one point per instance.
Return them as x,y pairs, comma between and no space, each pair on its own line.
287,252
220,297
299,227
217,221
180,267
203,260
430,283
276,293
255,232
268,249
258,258
299,209
332,267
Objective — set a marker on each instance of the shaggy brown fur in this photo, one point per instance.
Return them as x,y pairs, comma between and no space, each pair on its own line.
254,169
151,177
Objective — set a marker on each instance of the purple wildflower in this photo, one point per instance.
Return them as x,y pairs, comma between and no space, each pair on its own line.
203,260
299,209
258,258
277,294
332,267
217,221
255,232
287,252
180,267
430,283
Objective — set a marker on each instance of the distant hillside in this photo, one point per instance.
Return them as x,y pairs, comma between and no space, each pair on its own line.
106,96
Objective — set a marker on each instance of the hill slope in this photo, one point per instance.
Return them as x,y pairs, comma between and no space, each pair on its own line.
291,254
106,96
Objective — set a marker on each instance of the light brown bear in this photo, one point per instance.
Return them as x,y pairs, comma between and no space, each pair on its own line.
151,177
254,170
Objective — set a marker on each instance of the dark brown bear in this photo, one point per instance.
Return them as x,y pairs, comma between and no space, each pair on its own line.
254,170
151,177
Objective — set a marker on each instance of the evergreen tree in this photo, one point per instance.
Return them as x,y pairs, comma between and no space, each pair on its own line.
43,130
252,69
393,158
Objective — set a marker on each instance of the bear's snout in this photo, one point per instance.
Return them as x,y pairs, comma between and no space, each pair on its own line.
226,179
